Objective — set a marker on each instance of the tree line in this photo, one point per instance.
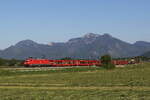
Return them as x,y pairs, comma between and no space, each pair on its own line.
10,62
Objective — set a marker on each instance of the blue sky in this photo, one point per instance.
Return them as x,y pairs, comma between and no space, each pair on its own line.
59,20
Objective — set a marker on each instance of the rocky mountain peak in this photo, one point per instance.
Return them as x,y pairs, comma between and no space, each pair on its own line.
106,35
91,35
50,44
87,39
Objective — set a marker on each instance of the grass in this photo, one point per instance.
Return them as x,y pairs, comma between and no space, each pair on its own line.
129,83
31,94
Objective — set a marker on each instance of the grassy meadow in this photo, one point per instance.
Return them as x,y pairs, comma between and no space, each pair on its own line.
131,82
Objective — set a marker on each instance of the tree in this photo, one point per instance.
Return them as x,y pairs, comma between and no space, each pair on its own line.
2,62
106,61
67,58
10,62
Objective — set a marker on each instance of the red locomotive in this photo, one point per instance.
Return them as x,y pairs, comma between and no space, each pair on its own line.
61,63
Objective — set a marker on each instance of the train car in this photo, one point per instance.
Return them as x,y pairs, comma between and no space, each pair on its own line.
120,62
61,63
36,62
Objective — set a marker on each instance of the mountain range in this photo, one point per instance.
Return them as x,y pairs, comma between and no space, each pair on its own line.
89,46
147,54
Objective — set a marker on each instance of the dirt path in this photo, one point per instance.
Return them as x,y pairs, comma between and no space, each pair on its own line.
78,88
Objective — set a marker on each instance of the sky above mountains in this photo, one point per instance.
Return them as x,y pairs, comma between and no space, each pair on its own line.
59,20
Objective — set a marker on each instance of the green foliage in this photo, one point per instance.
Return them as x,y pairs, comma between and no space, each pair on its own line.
109,66
10,62
106,61
2,62
137,58
67,58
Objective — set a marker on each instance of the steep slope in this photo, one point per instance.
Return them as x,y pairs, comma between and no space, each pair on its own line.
29,48
23,49
94,45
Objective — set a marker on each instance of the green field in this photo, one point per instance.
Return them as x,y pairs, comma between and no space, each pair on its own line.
131,82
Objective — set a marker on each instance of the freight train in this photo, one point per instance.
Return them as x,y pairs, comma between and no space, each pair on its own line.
61,63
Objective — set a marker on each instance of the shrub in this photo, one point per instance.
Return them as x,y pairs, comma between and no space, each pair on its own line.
106,61
10,62
108,66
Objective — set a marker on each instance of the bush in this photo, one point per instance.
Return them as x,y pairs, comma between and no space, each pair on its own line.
106,59
107,62
10,62
108,66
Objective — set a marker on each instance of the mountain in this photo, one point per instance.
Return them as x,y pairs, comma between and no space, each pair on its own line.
96,45
147,54
23,49
89,46
0,52
29,48
144,46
